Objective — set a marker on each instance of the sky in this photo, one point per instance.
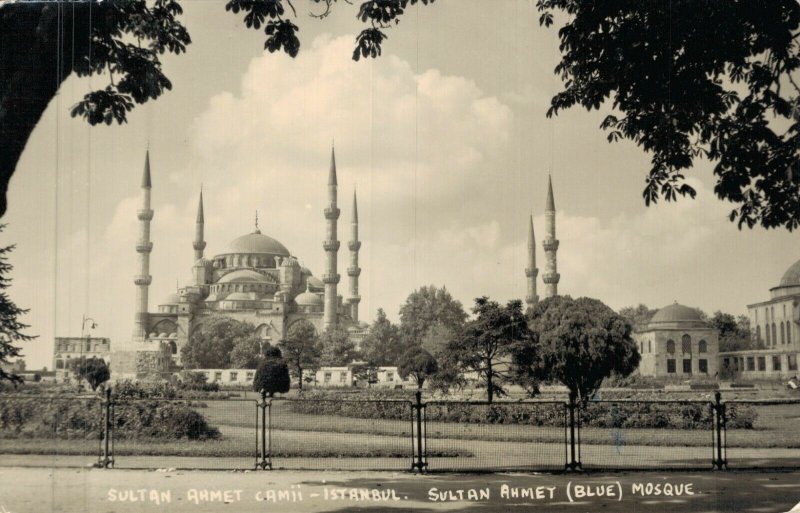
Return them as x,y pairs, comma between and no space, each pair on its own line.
444,138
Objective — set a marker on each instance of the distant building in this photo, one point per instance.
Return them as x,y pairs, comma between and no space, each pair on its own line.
678,343
776,325
70,348
324,377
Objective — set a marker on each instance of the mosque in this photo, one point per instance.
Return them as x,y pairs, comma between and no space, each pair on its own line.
255,279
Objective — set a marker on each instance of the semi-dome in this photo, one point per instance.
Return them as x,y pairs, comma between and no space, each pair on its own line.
308,299
257,243
315,282
243,275
791,278
239,296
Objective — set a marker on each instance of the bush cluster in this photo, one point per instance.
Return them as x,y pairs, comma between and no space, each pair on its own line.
77,418
597,414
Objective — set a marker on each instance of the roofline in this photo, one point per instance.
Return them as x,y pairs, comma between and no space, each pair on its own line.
794,297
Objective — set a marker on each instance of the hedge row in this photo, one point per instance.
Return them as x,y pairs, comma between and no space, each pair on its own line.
599,415
83,419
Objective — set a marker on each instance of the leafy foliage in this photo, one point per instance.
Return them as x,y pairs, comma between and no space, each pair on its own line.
734,332
428,307
246,353
578,342
302,349
382,345
10,326
417,363
211,344
693,79
272,376
337,348
638,316
489,341
94,370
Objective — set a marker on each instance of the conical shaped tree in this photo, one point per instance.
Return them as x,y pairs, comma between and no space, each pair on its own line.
10,326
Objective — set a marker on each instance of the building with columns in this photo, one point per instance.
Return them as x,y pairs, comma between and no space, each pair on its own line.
550,245
254,279
775,325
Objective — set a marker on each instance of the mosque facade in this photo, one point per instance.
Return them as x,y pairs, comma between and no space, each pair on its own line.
255,279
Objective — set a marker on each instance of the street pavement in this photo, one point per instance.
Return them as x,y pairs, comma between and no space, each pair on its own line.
41,490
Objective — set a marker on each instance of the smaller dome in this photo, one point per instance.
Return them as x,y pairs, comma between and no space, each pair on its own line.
239,296
172,299
308,299
677,314
243,275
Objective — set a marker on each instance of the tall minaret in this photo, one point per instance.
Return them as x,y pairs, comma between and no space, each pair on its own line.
199,243
354,270
531,271
331,246
143,247
550,276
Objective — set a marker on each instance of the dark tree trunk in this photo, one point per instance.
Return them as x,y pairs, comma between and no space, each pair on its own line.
300,377
37,44
489,384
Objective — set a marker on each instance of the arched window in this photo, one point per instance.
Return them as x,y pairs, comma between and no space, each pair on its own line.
173,347
788,333
702,346
783,334
758,333
766,334
774,335
686,344
671,346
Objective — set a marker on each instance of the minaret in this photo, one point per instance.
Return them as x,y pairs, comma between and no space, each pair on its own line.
531,272
550,276
199,244
354,270
331,246
143,248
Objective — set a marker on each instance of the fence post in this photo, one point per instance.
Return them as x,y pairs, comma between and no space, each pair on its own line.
573,464
420,463
107,460
719,462
266,462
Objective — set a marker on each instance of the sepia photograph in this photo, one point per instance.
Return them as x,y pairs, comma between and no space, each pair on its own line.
399,255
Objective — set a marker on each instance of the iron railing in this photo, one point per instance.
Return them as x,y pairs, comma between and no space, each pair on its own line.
433,436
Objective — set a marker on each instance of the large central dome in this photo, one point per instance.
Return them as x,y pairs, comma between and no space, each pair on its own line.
791,278
257,243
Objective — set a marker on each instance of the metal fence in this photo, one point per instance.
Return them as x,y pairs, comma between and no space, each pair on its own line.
433,436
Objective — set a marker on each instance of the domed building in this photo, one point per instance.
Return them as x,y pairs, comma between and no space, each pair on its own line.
254,279
678,343
774,325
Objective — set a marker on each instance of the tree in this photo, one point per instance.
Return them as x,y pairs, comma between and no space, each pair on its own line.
272,376
43,43
382,345
94,370
578,342
11,329
437,339
734,332
211,344
301,348
638,316
694,79
337,348
417,363
427,307
246,353
488,341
